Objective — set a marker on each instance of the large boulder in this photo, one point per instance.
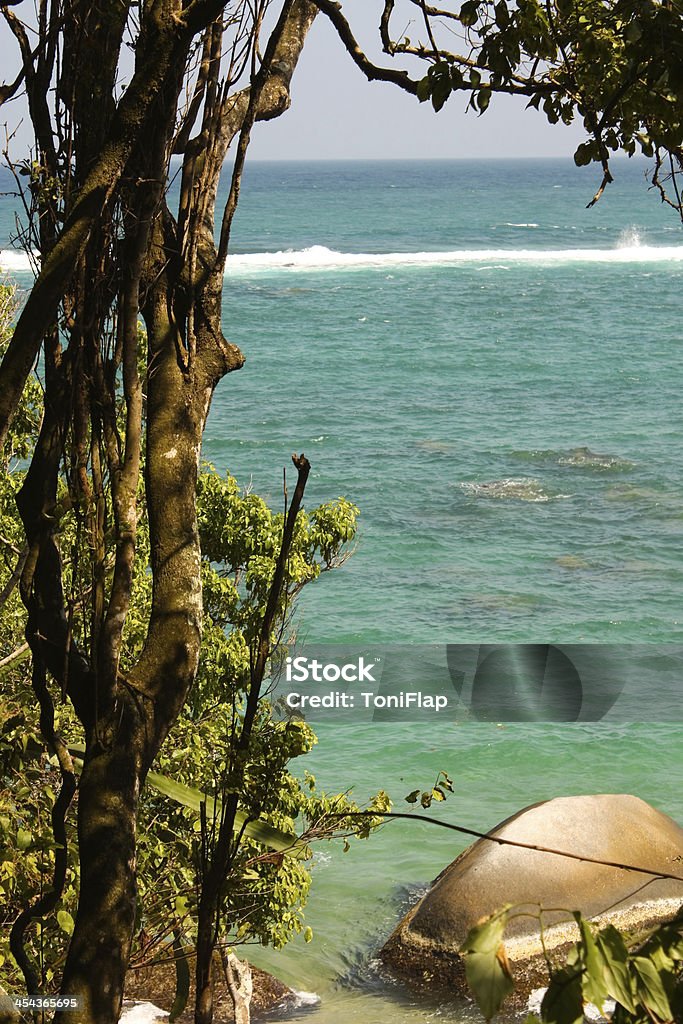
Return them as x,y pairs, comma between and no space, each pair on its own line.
621,830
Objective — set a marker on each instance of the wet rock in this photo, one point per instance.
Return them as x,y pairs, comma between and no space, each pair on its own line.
619,829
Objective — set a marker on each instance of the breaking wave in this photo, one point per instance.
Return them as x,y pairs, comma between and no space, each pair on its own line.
14,262
319,257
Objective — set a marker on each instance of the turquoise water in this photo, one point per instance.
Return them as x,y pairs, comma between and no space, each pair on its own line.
492,373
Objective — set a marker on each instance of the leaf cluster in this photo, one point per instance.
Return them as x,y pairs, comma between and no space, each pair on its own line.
442,785
641,974
616,64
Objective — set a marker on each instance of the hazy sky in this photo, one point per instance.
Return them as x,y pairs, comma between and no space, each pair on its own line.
336,113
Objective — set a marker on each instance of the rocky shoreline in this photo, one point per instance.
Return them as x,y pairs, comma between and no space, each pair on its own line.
156,985
520,865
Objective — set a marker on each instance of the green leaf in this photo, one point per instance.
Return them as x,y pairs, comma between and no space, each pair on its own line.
483,98
584,154
487,935
261,831
502,14
489,978
282,842
424,88
438,794
633,32
563,1002
593,982
24,839
650,988
440,83
615,961
308,934
412,797
469,13
440,94
65,921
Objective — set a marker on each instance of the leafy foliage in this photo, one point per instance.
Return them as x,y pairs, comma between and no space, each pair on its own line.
266,890
442,785
615,64
642,973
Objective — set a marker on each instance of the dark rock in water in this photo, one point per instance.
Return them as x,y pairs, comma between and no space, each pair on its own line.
584,457
620,829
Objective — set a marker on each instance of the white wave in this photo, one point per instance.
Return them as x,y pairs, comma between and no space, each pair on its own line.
511,224
591,1013
14,261
305,998
630,239
319,257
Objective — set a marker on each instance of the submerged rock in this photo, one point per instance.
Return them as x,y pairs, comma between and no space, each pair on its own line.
619,829
584,457
523,489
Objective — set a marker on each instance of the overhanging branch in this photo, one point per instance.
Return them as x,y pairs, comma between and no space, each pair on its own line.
372,72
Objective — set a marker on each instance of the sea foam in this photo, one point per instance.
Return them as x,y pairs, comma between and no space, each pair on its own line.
524,489
14,261
319,257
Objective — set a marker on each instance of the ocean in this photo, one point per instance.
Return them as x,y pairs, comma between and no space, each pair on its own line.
492,373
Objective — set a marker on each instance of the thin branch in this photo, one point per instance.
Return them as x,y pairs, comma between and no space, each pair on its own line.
13,580
8,91
387,44
436,12
259,81
428,26
21,654
48,900
371,71
500,841
607,179
258,666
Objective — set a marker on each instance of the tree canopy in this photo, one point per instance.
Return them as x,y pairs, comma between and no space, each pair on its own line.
615,64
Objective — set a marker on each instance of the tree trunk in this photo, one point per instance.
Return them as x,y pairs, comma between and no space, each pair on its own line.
108,794
119,251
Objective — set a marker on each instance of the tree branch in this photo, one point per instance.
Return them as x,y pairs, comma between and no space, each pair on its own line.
500,841
371,71
8,91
